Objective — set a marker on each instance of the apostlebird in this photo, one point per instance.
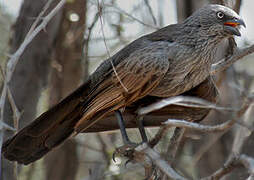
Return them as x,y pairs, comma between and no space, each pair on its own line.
171,61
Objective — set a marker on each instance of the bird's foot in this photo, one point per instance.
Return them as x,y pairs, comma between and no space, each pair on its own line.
129,148
127,151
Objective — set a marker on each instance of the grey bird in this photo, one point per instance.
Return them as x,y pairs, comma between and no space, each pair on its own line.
172,61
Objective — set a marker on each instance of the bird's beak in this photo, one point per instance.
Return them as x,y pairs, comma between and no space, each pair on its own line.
232,26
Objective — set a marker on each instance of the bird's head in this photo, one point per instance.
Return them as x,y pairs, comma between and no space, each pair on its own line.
216,19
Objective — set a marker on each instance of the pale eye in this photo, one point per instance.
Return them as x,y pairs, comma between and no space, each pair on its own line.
220,15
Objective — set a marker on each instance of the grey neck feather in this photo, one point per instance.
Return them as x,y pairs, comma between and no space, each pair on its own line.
198,36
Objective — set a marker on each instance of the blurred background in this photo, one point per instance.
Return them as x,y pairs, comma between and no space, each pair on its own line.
72,45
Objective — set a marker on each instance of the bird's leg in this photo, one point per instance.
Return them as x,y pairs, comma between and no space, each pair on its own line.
127,149
121,124
141,129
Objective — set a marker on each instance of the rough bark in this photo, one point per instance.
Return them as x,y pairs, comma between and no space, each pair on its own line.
31,73
66,75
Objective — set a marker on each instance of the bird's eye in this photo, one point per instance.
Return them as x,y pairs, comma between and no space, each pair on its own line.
220,15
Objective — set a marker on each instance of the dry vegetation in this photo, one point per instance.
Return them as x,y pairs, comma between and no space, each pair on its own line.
221,146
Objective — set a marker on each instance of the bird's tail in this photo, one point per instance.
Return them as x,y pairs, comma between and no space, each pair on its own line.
47,131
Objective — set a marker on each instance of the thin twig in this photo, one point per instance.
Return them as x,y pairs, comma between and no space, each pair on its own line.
104,40
186,101
216,128
5,126
206,147
15,110
174,144
128,15
15,57
38,18
162,164
199,127
12,64
148,158
248,163
226,126
225,63
14,107
242,133
150,11
233,162
87,38
155,140
228,167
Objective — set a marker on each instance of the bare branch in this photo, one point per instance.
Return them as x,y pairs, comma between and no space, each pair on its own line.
161,132
150,11
199,127
162,164
236,159
11,67
148,158
228,167
174,144
118,9
233,162
206,147
15,57
186,101
15,110
38,18
225,63
6,127
87,37
104,40
248,163
242,133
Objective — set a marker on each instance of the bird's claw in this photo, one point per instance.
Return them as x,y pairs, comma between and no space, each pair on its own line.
126,150
114,156
125,164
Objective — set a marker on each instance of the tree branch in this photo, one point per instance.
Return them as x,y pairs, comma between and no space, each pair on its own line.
199,127
155,140
12,62
227,168
233,162
226,62
119,10
15,57
174,144
150,11
162,164
186,101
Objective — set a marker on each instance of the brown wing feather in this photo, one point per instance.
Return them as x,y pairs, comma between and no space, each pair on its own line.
88,104
140,73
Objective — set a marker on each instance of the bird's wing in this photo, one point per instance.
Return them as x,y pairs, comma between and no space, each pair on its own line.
133,78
